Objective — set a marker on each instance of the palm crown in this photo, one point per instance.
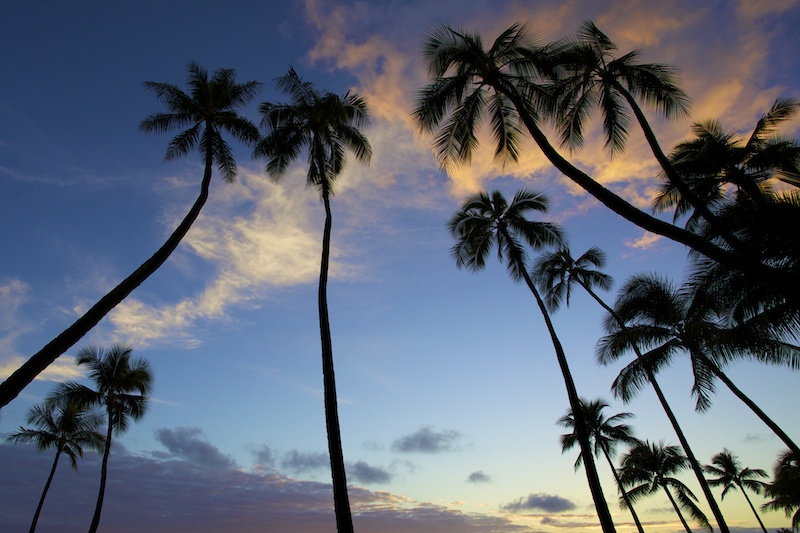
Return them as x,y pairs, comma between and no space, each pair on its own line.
206,111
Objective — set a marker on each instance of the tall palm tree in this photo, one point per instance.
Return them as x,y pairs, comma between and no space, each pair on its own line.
592,79
66,427
785,488
730,475
326,126
122,388
207,110
672,321
605,434
486,222
651,466
556,273
504,81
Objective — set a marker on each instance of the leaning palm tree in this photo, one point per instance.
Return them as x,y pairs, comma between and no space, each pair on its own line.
730,475
557,272
469,82
671,321
785,488
66,427
207,110
326,125
122,388
650,467
605,433
487,222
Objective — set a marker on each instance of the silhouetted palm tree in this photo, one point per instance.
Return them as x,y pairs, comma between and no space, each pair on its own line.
122,389
487,222
556,272
730,475
326,125
671,321
648,467
208,109
785,488
605,434
66,427
469,82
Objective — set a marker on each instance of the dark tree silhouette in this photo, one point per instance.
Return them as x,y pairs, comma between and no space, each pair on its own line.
326,125
208,109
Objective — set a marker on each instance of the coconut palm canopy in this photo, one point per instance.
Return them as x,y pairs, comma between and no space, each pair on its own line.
447,386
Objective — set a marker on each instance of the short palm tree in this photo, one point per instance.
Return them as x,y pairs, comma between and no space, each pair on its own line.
670,321
207,110
326,126
122,389
785,488
66,427
506,83
730,475
556,273
650,467
605,434
487,222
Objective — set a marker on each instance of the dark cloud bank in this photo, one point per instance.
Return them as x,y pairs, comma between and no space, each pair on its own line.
194,488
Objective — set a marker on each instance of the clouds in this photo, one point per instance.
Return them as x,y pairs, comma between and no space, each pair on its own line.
186,444
427,440
479,476
540,502
364,473
151,494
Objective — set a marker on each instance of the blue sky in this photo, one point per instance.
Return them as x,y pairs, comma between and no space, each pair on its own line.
448,386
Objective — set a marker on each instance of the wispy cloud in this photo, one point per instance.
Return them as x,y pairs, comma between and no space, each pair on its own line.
542,502
428,440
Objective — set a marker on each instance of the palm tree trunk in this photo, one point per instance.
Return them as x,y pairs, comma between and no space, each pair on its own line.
786,281
103,476
751,404
677,509
21,377
44,492
341,502
593,479
746,497
625,497
698,470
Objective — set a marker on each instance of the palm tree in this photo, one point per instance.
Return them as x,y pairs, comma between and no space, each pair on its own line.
720,167
469,82
605,434
671,321
785,488
486,222
122,389
66,427
326,125
207,110
730,475
648,467
556,273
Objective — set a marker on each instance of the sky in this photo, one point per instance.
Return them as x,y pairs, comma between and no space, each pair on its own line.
449,390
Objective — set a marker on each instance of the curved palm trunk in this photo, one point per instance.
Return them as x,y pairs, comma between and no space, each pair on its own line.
103,475
21,377
698,470
575,404
341,502
746,263
751,404
746,497
675,506
625,496
44,492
